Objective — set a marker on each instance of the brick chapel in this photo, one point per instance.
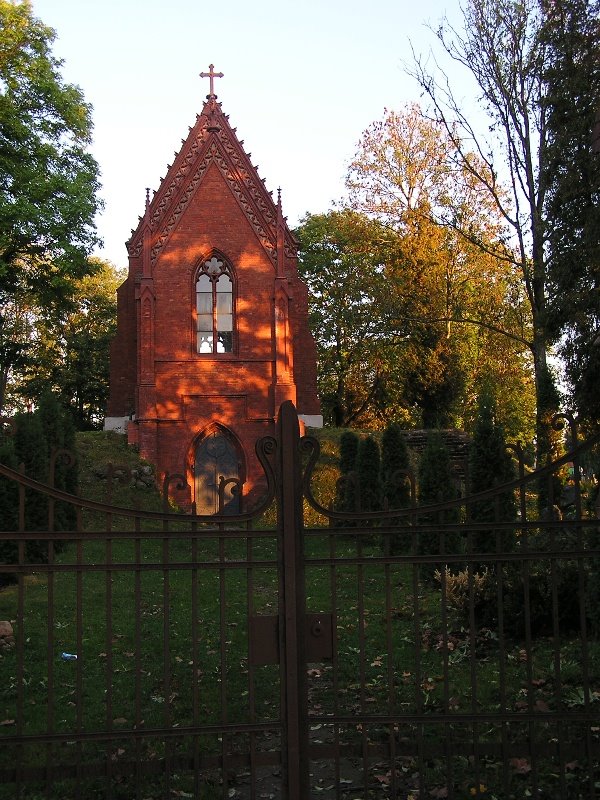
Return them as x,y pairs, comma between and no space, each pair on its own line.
212,321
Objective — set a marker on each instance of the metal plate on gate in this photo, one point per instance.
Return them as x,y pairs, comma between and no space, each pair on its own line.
319,638
264,639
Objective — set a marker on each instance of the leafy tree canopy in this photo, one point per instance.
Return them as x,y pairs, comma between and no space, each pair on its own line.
68,348
48,180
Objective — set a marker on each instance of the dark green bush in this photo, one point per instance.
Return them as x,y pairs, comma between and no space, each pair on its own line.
367,467
490,465
346,493
36,436
437,484
395,486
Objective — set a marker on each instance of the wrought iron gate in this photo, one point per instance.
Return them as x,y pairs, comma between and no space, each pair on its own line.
405,654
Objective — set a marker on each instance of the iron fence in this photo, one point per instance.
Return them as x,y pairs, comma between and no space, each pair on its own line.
419,652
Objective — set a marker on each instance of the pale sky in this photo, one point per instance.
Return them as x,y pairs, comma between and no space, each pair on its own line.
301,82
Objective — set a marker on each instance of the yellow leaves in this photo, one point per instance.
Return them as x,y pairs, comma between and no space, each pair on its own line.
474,791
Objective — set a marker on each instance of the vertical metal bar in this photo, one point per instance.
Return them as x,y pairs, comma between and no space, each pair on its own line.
195,622
446,671
585,662
558,688
109,652
138,655
290,525
20,632
79,651
417,651
360,610
50,656
223,663
251,697
167,655
334,666
502,648
525,571
472,651
392,695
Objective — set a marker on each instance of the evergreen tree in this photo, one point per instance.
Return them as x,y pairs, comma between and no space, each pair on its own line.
31,450
571,35
437,485
368,465
348,452
37,437
549,400
60,436
490,465
395,488
9,504
346,488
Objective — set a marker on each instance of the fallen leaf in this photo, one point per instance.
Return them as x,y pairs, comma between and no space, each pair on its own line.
520,765
441,791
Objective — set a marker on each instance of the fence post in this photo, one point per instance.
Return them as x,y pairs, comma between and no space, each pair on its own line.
293,611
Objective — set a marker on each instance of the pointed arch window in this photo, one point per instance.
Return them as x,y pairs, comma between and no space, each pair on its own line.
214,307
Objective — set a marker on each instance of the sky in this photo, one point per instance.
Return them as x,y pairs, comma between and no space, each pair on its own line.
301,82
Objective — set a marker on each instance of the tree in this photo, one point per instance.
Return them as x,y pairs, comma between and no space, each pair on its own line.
490,465
502,49
454,312
571,32
394,480
395,461
346,487
367,467
37,437
71,347
48,180
340,260
437,484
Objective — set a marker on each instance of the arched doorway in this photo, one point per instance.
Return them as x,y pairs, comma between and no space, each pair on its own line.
217,457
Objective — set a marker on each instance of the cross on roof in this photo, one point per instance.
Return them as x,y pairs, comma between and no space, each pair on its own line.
212,75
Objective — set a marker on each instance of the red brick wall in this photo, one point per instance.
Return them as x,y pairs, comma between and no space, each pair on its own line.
183,393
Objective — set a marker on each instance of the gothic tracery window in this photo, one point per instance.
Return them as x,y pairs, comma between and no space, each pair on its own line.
214,307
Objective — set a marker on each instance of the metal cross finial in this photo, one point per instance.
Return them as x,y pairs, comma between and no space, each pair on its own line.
212,75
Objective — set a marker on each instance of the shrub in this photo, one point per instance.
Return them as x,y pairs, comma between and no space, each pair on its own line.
437,485
458,588
367,467
490,465
395,487
346,493
36,435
